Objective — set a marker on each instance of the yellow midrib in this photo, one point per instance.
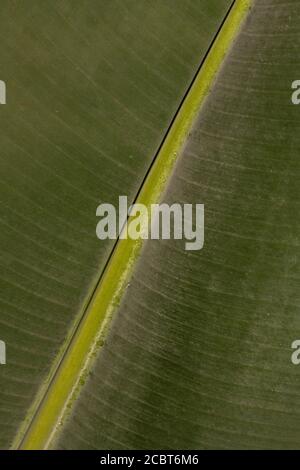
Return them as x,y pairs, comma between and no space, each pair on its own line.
70,375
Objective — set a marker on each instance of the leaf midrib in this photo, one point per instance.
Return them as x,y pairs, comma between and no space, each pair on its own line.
71,367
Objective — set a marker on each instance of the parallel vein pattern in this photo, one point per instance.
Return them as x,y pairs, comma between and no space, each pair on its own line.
199,353
92,86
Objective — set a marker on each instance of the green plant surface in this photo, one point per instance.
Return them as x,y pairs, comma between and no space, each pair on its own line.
72,371
91,89
199,352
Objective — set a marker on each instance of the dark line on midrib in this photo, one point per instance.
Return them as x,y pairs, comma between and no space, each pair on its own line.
180,105
104,269
161,145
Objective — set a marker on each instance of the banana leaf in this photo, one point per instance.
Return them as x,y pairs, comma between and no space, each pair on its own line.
91,89
199,353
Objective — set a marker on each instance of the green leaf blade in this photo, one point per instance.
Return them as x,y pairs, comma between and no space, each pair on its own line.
73,136
199,355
